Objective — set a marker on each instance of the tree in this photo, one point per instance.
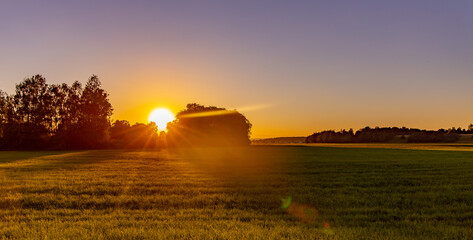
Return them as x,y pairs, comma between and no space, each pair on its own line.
66,106
4,108
140,135
56,116
5,115
198,125
33,101
30,115
93,115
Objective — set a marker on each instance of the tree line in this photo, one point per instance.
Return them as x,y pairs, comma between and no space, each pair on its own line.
39,115
388,134
60,116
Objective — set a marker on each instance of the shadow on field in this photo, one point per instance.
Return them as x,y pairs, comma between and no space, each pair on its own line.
241,165
253,177
43,180
54,160
22,168
257,180
12,156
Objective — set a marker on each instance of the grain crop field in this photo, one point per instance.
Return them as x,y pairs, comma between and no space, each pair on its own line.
359,193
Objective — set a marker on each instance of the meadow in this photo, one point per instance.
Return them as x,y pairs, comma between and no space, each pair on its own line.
235,193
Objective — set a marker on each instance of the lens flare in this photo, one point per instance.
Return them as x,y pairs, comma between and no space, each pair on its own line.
304,212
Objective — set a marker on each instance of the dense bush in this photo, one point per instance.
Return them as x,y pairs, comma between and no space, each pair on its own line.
123,135
198,125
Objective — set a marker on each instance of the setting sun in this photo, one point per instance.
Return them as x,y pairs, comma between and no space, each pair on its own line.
161,116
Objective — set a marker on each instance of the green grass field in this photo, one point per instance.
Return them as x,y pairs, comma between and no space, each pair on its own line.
360,193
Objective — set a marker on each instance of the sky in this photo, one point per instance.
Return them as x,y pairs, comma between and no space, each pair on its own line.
291,67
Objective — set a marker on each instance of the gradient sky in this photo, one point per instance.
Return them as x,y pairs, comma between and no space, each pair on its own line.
292,67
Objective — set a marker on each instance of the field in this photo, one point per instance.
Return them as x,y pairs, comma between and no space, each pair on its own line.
418,146
359,193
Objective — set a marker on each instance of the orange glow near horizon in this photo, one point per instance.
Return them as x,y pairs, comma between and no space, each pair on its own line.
385,64
161,116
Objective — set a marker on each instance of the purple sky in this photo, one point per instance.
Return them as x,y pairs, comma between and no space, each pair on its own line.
292,67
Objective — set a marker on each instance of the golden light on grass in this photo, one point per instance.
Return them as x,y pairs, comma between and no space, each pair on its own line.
161,116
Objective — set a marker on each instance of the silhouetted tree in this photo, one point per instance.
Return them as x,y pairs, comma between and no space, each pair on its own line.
331,137
377,134
198,125
140,135
119,129
67,108
31,113
6,115
4,108
433,136
93,117
39,115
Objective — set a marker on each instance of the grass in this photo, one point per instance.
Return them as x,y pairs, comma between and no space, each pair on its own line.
359,193
458,146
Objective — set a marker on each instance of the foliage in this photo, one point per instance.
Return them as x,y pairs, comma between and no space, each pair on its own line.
58,116
41,116
140,135
426,137
198,125
387,134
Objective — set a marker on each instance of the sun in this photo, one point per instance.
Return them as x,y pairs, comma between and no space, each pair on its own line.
161,116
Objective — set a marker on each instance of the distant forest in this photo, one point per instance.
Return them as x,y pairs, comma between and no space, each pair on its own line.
59,116
389,134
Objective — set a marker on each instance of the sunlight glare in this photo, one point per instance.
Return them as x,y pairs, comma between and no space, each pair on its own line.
161,116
